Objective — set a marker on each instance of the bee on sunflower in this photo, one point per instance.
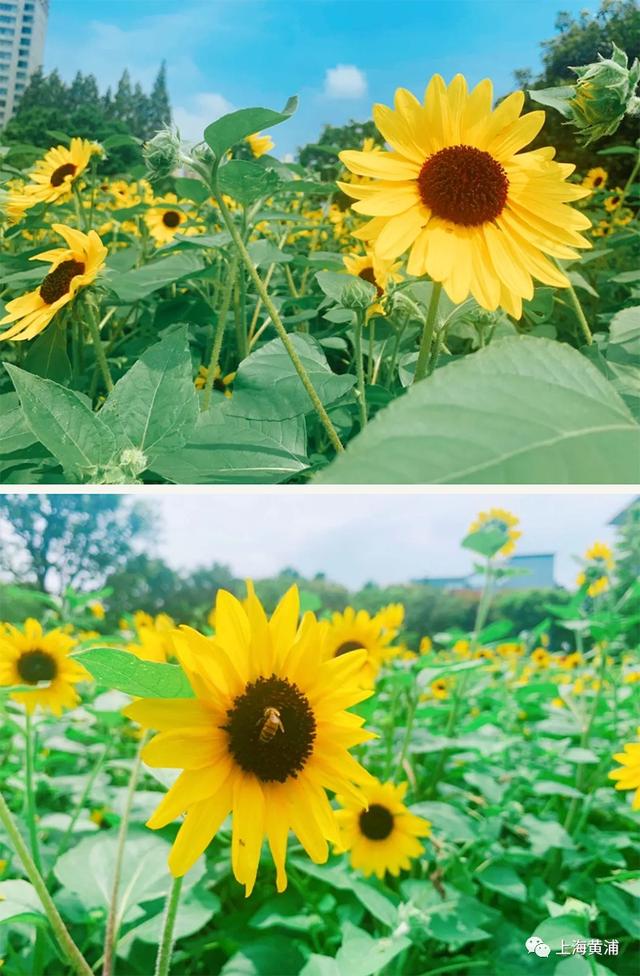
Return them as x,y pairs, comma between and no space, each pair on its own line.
474,212
382,834
266,736
72,268
52,178
42,661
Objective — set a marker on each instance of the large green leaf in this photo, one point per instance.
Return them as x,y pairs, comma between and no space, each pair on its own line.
229,450
48,355
64,423
267,386
247,181
523,411
124,671
236,126
15,433
140,282
154,407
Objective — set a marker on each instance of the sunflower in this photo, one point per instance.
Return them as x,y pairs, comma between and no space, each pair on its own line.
96,609
259,145
628,775
72,268
266,735
440,689
498,520
220,382
599,565
53,176
374,270
596,179
31,657
165,219
612,202
151,646
381,834
475,213
541,657
355,630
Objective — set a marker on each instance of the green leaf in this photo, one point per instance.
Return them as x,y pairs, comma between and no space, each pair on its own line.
197,907
557,98
624,337
15,433
486,542
67,427
502,878
123,671
236,126
19,902
134,285
620,906
451,822
154,407
545,834
190,189
267,386
48,357
224,449
376,903
246,181
264,253
317,965
522,411
362,955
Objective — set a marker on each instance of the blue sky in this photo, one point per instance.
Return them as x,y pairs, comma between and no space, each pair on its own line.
339,56
371,535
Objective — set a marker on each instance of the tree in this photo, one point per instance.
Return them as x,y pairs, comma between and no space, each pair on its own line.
322,156
159,104
59,541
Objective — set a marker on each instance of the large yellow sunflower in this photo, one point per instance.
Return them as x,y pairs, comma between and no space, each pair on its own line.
31,657
266,736
476,213
72,268
53,176
355,630
381,834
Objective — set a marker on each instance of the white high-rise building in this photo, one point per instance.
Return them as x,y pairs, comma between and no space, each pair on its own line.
23,27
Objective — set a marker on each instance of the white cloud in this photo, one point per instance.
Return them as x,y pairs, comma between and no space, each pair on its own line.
205,108
345,81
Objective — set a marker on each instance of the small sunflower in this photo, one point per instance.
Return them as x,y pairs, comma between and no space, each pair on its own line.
375,270
475,213
502,521
97,610
426,645
221,383
72,268
440,689
31,657
266,735
356,630
166,218
53,176
382,835
259,144
612,202
628,775
599,566
541,657
596,178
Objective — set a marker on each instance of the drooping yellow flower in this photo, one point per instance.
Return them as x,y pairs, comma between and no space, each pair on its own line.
266,735
41,660
501,520
596,178
475,213
52,177
72,269
259,144
381,835
355,630
598,569
628,775
221,383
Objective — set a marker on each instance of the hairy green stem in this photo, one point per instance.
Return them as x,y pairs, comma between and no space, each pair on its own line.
165,948
577,307
362,398
218,337
101,359
30,798
111,934
323,416
630,181
76,960
427,333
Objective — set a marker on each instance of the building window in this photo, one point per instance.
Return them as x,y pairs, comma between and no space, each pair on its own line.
23,64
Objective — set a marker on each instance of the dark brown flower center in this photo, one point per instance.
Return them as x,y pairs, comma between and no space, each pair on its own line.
598,181
171,218
367,274
271,729
57,283
36,666
59,174
464,185
348,646
376,823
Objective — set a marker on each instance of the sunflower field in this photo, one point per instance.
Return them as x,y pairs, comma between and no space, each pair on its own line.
222,316
325,794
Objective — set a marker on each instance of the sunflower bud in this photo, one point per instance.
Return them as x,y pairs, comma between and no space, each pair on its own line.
604,94
358,294
162,154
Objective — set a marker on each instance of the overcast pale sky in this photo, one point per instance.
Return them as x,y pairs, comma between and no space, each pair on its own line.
339,56
382,537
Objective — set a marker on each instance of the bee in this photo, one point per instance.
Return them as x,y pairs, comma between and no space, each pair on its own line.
272,723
